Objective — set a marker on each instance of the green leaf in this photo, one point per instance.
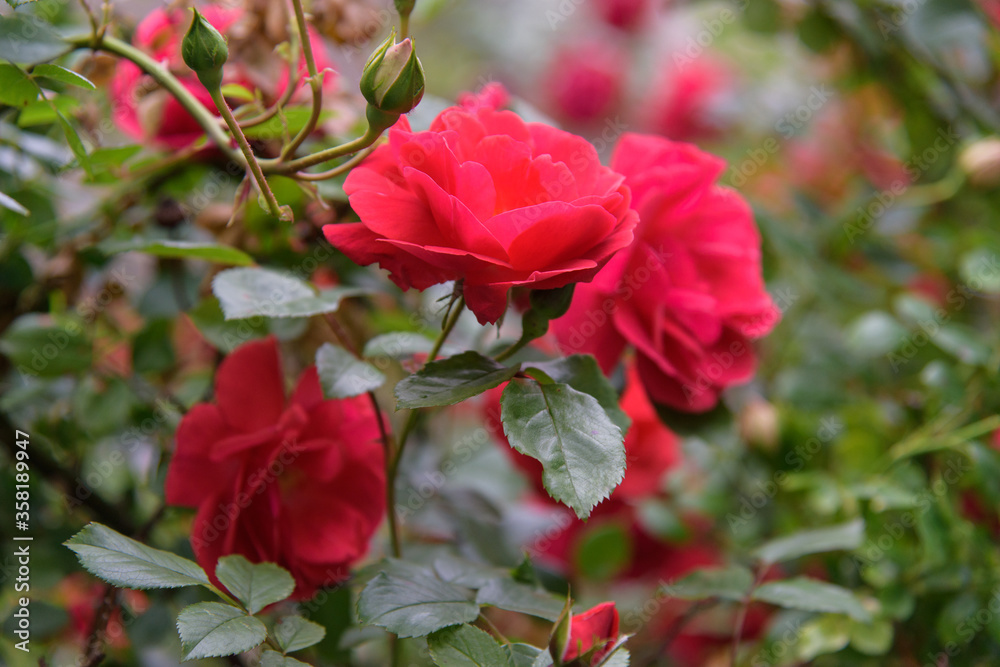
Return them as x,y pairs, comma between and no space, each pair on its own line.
16,88
295,633
38,347
522,655
729,583
25,39
113,155
978,269
271,658
152,348
256,585
237,92
224,335
512,596
812,595
295,118
449,381
618,657
43,112
466,646
582,452
211,252
343,375
122,561
603,551
212,629
253,292
400,345
844,537
874,334
581,372
963,343
73,139
11,204
822,636
63,75
872,638
414,603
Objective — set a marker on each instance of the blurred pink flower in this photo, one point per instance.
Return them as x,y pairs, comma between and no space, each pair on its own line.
584,82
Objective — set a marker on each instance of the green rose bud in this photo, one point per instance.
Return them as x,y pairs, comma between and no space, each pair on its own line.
204,50
405,7
393,79
552,303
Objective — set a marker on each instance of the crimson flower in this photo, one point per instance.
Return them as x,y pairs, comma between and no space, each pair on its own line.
688,294
486,198
298,481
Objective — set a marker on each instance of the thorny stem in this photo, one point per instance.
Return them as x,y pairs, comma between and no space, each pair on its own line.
315,83
340,169
289,167
210,124
742,615
251,159
390,492
411,420
162,76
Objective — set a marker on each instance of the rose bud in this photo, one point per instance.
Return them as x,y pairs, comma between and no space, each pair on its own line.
981,161
393,79
205,51
405,7
760,424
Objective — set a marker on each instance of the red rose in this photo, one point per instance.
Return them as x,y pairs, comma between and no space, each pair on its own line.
489,199
689,103
596,627
584,82
295,481
688,293
624,14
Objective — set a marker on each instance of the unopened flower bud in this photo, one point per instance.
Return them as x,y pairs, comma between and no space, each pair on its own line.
405,7
393,80
205,51
759,424
981,161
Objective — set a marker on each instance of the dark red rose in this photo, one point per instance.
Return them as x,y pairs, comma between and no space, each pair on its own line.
298,481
